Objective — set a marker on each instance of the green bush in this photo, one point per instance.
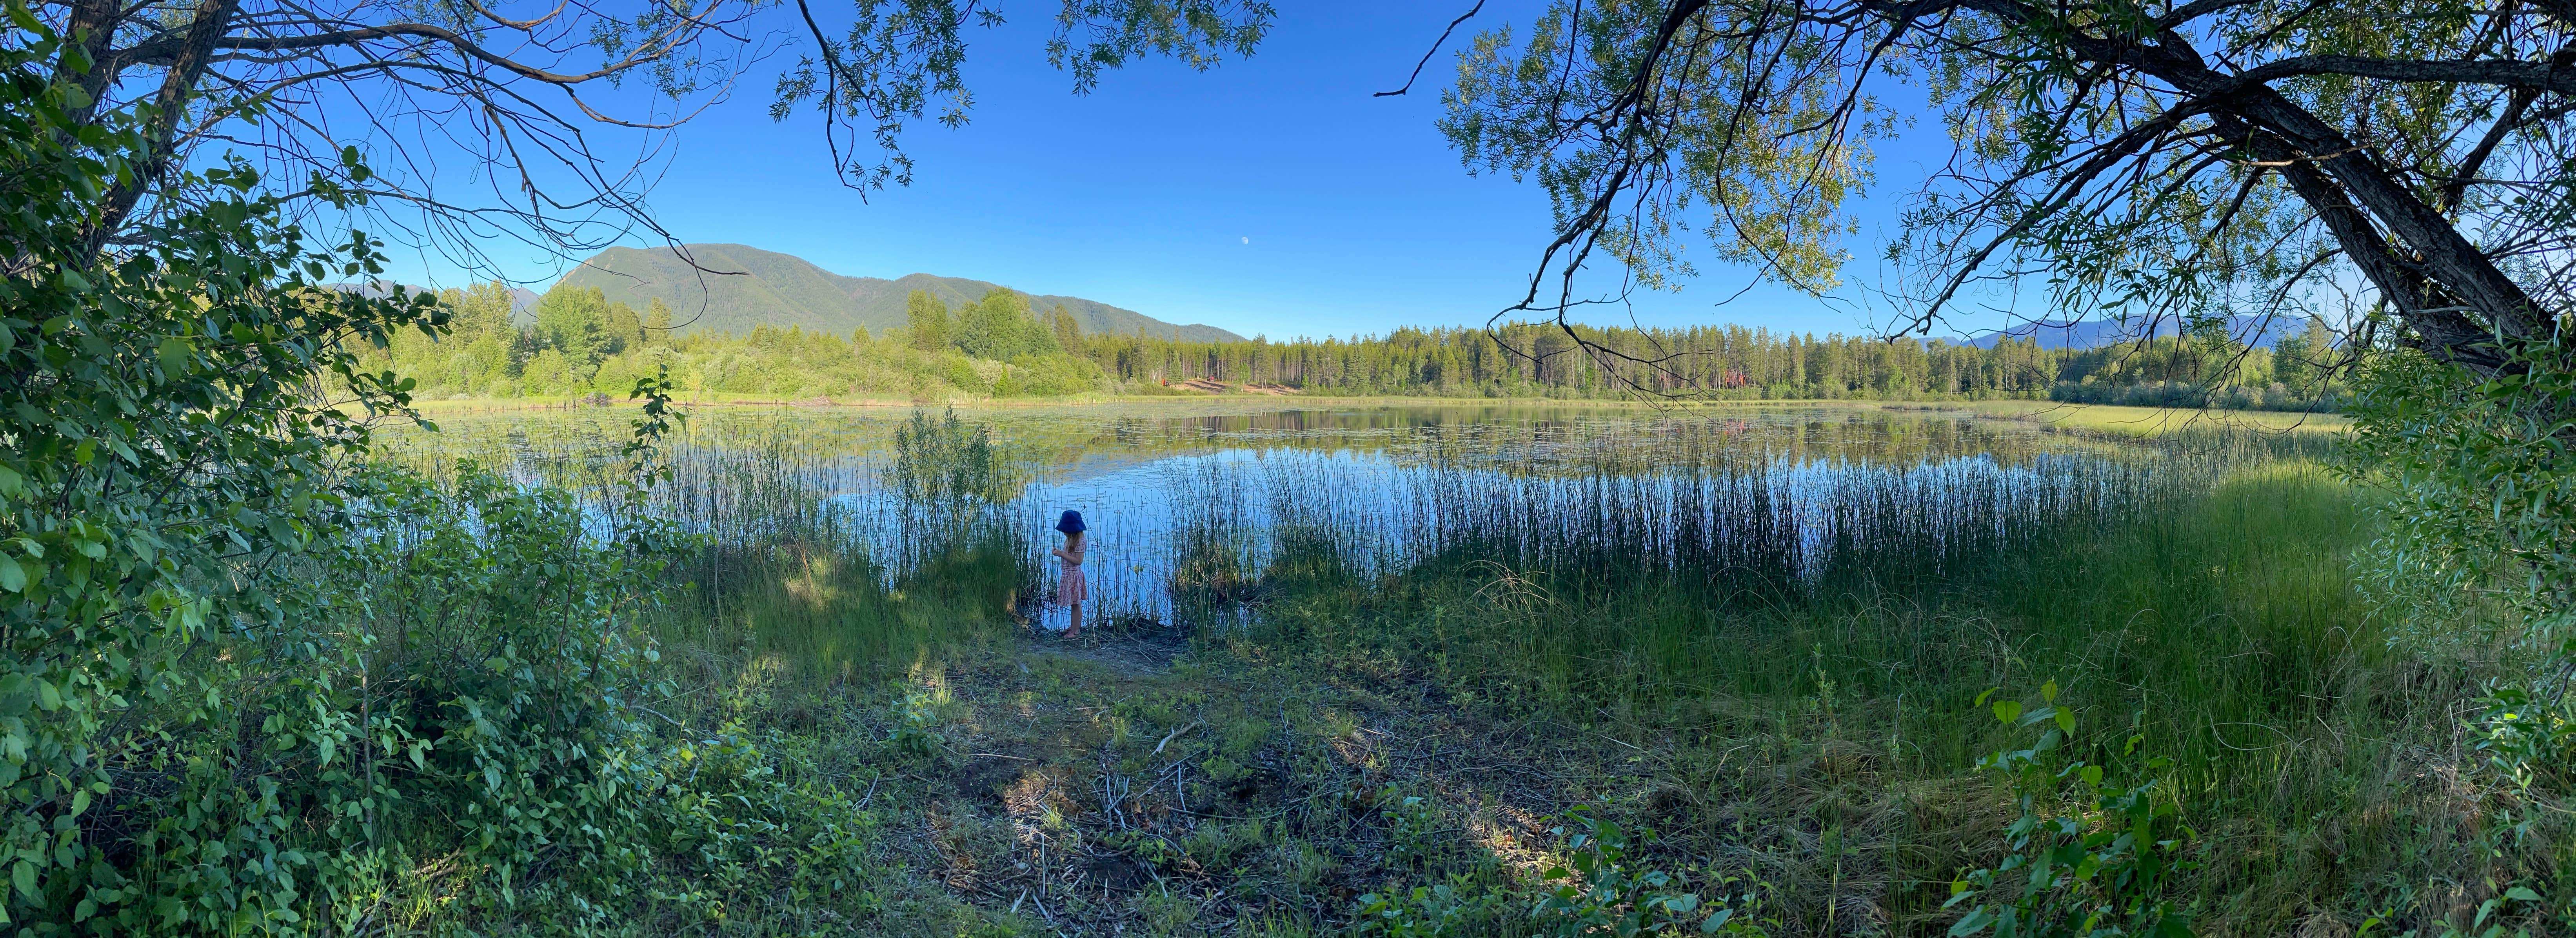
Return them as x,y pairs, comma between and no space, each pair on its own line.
257,686
163,476
2482,495
2091,855
1599,892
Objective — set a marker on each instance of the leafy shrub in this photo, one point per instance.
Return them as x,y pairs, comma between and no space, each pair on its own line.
468,691
165,474
1054,374
2483,494
255,686
2091,852
1412,826
1441,910
1599,894
2528,739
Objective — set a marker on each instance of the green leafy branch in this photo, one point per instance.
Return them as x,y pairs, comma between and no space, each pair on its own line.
2091,853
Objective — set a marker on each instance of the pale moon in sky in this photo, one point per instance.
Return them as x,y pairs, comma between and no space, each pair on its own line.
1247,240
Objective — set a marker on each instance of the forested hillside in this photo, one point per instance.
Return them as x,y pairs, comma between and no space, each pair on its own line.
765,288
1732,362
1008,345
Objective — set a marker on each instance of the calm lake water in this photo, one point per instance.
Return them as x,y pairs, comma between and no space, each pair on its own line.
1154,480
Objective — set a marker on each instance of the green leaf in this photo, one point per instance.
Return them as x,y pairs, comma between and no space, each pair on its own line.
2066,720
2521,894
13,578
174,355
1976,921
2007,711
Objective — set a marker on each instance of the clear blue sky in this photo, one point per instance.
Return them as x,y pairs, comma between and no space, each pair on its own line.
1272,195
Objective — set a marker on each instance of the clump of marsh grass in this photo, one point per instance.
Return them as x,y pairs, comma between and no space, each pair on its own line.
840,569
1214,557
945,476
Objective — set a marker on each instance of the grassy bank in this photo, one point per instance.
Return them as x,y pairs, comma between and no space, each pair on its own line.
1796,717
2154,421
1771,648
1823,743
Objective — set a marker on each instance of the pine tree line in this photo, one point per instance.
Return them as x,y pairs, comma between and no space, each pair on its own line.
1537,360
578,342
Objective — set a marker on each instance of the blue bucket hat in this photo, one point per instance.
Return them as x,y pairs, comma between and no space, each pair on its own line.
1071,523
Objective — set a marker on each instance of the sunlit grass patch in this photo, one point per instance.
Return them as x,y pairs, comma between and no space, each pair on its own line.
2153,421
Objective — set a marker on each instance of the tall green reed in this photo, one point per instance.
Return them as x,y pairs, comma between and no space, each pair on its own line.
1835,620
837,568
1698,572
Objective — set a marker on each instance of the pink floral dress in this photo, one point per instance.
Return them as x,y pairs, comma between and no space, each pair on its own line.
1073,588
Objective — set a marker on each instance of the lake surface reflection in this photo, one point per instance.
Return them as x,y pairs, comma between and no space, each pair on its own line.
1158,481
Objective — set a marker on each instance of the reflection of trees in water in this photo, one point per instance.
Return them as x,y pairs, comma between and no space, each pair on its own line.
835,450
1363,486
1449,432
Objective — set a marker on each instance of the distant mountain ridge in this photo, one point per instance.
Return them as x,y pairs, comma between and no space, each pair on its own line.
768,288
2092,333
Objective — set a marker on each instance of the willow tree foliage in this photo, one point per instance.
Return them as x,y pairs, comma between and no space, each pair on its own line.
164,442
2406,160
538,121
2143,160
254,684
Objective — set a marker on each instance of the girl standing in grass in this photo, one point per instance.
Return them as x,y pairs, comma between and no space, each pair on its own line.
1073,589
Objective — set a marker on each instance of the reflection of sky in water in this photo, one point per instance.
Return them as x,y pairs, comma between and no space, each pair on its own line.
1372,499
1137,473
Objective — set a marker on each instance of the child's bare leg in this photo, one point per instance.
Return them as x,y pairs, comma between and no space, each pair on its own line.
1076,628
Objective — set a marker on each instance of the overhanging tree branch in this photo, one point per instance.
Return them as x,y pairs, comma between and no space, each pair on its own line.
2167,229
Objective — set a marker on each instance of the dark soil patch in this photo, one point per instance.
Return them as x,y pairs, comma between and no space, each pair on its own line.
983,777
1117,872
1137,655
